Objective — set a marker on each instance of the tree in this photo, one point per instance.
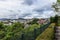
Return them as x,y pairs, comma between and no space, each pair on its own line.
1,26
34,21
56,20
58,1
11,32
52,19
56,7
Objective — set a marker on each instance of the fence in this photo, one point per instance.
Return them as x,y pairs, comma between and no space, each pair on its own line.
31,35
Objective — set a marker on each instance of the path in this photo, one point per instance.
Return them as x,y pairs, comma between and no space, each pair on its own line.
57,33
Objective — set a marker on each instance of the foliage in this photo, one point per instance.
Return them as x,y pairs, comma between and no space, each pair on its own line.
32,27
10,32
14,31
1,26
58,1
55,6
29,32
34,21
59,21
54,19
33,31
48,34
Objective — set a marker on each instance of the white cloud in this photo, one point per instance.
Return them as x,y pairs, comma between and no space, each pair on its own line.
18,8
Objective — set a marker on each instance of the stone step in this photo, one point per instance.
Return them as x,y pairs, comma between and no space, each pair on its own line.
57,28
57,31
57,39
57,36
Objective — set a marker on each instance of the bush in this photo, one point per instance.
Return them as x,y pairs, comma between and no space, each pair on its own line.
48,34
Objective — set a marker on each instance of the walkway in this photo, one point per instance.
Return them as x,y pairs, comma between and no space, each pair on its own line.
57,33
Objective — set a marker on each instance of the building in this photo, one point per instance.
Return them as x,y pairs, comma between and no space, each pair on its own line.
11,21
43,21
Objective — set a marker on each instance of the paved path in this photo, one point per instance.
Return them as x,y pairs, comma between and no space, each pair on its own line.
57,33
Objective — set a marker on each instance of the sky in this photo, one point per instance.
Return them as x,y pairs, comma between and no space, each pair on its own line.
26,9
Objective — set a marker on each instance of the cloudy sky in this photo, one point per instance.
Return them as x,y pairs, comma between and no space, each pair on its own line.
26,8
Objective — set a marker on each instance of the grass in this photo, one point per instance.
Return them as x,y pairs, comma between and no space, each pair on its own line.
48,34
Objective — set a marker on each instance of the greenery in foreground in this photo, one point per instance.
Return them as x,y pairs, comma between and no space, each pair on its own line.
55,20
10,31
48,34
14,31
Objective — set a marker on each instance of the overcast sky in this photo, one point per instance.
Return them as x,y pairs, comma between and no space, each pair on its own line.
26,8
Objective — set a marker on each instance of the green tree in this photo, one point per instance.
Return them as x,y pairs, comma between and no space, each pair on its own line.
11,32
2,30
58,1
52,19
34,21
1,26
56,20
56,7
